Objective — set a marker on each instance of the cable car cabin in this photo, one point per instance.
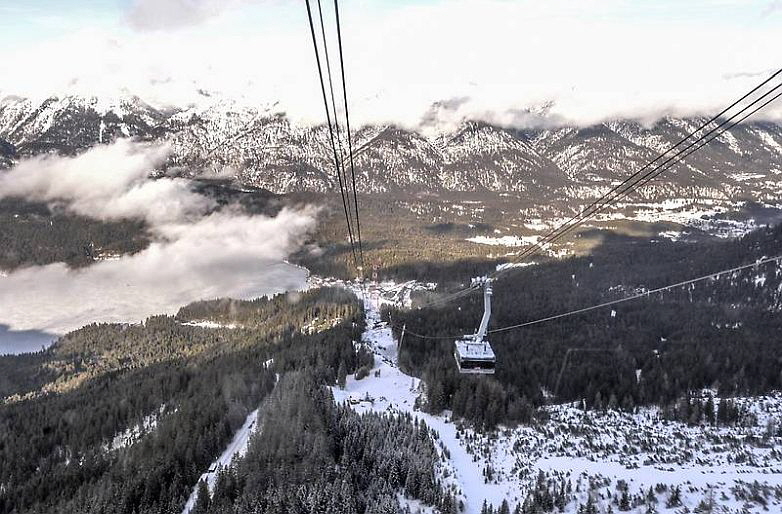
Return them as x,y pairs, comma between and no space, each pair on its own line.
473,353
474,357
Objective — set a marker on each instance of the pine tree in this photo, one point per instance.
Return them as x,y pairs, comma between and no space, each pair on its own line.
709,410
203,500
674,500
342,374
624,502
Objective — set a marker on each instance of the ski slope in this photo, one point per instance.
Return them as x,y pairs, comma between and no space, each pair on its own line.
388,389
236,448
592,450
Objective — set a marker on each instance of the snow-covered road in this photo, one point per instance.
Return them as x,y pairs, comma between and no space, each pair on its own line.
237,447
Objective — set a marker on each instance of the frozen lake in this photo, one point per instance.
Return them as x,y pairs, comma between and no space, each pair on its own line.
23,341
38,304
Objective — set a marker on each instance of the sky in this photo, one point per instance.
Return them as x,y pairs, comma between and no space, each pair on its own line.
407,62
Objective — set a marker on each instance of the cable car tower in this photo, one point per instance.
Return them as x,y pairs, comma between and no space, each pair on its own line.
473,353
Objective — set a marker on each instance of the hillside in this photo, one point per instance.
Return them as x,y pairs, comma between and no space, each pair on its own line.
266,150
723,334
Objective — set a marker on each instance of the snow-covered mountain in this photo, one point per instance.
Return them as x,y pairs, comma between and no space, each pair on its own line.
7,153
263,148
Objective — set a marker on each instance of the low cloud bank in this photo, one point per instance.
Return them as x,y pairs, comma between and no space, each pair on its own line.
107,183
406,62
196,254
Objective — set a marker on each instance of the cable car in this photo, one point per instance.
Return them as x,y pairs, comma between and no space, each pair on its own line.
473,353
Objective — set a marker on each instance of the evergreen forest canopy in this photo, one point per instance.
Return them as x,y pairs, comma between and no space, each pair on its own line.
34,233
64,408
72,416
724,334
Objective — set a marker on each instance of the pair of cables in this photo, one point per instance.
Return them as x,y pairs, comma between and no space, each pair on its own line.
748,104
345,179
737,112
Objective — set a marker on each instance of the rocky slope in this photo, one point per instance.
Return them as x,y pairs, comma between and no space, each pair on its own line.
265,149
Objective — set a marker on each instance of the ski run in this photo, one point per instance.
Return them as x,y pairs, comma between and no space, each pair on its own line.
597,452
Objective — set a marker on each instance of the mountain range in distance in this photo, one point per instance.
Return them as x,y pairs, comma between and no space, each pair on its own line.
265,149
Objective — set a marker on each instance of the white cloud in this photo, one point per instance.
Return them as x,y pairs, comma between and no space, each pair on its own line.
195,255
222,255
586,60
107,182
168,14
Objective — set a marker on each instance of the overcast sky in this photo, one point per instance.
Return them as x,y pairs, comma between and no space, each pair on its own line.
586,60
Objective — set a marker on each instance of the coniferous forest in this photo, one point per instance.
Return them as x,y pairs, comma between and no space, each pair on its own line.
125,417
36,233
315,456
724,333
65,433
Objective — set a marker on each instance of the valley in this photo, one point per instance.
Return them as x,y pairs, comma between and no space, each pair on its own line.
390,257
617,459
671,404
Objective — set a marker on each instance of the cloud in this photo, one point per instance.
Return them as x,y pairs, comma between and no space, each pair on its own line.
772,8
171,14
222,255
108,183
196,254
588,60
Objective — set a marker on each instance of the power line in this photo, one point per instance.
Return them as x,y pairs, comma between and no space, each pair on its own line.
347,125
644,294
632,182
331,130
341,152
639,295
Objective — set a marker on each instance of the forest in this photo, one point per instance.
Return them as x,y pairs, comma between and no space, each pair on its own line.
36,234
74,419
314,456
723,334
59,433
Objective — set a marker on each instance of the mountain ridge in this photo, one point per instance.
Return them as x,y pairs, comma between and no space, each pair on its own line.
265,149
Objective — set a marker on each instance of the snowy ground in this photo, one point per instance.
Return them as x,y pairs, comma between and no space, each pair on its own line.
505,240
209,324
135,432
592,450
237,448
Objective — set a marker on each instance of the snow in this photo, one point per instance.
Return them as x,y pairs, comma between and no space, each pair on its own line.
591,447
236,448
132,434
208,324
673,235
703,214
393,391
508,265
473,350
505,240
746,176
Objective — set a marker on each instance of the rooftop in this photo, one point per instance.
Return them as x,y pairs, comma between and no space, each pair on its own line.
469,349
